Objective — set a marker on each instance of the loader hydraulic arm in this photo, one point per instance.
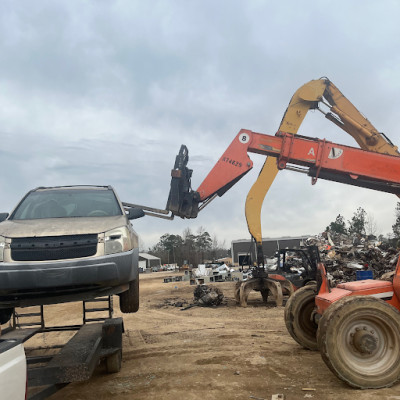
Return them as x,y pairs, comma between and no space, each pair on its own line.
318,158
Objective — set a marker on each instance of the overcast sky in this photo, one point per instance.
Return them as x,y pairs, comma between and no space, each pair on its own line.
105,92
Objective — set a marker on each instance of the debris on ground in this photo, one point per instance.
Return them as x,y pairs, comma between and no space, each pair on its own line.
204,296
207,296
174,303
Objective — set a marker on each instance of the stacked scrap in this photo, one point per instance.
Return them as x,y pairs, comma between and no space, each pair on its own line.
344,255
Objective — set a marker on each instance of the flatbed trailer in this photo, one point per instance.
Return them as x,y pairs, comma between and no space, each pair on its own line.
50,368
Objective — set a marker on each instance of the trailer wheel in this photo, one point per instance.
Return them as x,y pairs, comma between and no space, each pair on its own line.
129,300
114,362
5,315
298,317
359,340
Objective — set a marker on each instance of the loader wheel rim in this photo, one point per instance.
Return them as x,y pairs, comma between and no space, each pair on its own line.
368,346
365,341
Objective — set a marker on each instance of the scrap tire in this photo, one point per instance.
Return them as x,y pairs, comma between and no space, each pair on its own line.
298,317
5,315
114,362
129,300
359,340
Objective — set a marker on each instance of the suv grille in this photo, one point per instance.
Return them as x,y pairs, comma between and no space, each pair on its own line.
53,247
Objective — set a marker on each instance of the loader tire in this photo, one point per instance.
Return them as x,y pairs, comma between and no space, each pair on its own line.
359,340
298,317
129,300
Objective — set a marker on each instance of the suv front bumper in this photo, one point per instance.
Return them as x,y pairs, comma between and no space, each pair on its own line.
23,279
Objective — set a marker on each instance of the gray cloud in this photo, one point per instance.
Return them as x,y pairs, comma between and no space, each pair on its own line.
105,93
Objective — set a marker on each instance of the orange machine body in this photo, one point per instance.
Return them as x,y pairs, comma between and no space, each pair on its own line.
325,160
385,290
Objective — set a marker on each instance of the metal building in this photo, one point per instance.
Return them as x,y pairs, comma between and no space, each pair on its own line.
242,249
148,261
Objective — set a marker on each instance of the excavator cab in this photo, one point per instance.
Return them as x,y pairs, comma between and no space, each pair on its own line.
299,266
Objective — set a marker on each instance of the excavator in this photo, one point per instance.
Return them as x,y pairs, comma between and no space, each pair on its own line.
320,94
355,325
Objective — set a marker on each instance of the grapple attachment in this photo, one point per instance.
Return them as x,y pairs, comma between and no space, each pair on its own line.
266,286
182,200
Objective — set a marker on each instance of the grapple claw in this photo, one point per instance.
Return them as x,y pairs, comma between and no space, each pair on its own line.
266,287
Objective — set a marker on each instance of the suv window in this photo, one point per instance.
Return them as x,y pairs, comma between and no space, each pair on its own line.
65,203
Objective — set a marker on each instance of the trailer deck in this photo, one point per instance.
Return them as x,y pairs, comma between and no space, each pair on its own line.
50,368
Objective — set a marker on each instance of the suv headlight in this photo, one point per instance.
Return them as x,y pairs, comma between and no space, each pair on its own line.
117,240
2,245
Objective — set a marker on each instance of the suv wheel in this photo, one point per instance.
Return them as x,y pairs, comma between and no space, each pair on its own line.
129,300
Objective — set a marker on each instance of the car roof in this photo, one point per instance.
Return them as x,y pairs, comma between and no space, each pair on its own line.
71,187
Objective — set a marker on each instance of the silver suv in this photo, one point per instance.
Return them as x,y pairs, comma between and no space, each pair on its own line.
69,243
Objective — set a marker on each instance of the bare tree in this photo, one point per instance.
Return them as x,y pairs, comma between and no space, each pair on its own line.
203,243
218,250
214,247
371,226
189,247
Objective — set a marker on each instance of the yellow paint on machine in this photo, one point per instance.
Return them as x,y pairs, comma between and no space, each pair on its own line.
291,121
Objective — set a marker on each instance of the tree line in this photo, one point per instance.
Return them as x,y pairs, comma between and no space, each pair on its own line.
356,225
189,248
362,223
195,248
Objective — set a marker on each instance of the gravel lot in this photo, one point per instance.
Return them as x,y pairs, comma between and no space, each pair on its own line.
225,352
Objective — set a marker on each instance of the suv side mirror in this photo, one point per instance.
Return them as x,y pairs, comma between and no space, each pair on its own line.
3,216
134,213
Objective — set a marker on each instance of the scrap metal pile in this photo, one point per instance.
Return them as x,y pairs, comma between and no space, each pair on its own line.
344,255
207,296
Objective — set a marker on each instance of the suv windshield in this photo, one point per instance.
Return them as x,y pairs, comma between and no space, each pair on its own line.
65,203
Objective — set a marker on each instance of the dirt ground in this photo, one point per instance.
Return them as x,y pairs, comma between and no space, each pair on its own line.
226,352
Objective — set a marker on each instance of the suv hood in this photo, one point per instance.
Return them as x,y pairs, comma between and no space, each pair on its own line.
60,226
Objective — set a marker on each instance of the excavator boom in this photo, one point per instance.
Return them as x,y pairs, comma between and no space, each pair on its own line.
321,95
317,94
318,158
